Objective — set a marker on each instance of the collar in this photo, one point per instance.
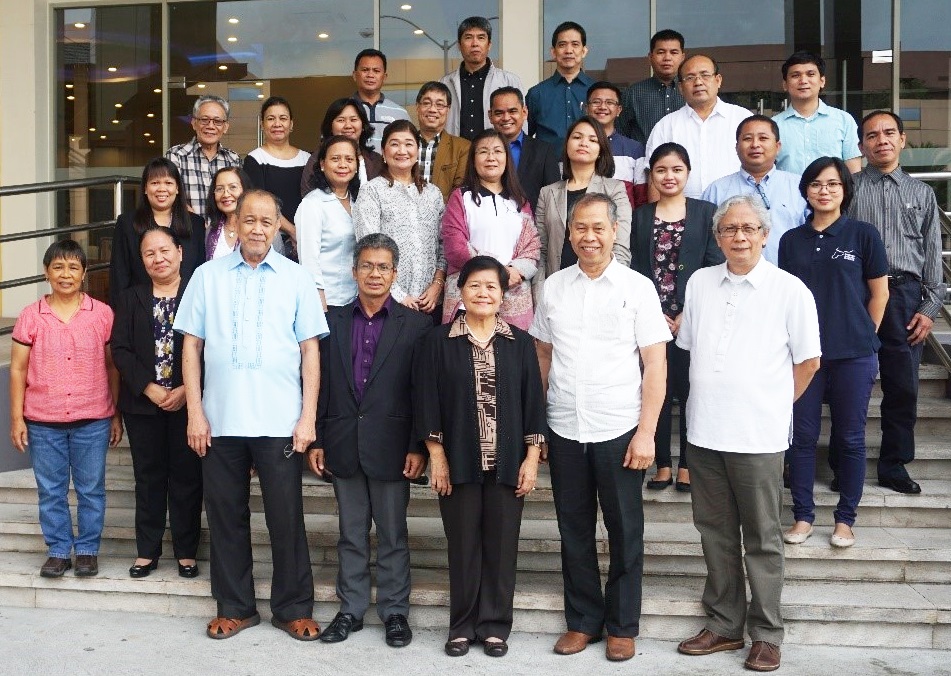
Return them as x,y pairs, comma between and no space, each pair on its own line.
359,99
755,277
748,177
831,231
717,110
611,273
875,174
384,311
436,139
235,259
520,139
85,303
481,73
485,192
823,109
194,146
659,84
460,328
581,77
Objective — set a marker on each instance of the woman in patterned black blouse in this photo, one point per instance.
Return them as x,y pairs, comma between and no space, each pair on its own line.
152,400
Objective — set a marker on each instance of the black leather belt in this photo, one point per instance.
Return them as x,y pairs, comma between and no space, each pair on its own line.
901,278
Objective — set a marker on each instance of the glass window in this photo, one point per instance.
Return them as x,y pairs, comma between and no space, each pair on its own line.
618,37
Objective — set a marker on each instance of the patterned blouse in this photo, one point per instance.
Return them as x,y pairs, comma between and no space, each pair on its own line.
483,362
410,217
667,237
163,316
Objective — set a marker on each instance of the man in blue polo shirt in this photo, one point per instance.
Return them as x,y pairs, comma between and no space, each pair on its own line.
555,103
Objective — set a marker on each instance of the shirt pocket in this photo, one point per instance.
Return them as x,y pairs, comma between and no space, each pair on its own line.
911,222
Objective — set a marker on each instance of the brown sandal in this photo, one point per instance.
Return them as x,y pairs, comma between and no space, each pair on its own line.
304,629
226,627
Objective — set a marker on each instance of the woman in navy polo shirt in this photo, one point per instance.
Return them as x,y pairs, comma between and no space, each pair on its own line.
843,263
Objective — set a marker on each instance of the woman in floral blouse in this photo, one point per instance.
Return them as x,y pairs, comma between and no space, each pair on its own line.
151,397
671,239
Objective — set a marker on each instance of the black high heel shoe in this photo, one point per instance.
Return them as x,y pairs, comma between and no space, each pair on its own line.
187,571
143,571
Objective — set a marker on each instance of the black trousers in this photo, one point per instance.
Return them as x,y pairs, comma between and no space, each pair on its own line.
482,523
227,478
583,474
167,480
678,385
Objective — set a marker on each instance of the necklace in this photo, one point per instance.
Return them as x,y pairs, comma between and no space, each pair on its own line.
346,196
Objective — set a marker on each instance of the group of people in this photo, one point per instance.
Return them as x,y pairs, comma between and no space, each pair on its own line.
513,281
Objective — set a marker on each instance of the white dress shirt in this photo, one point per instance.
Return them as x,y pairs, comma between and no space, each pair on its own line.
596,328
744,334
710,143
325,243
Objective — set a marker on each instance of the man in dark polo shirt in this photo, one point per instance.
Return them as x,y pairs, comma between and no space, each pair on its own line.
645,102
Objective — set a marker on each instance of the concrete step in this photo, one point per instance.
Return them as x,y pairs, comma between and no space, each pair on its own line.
883,554
842,613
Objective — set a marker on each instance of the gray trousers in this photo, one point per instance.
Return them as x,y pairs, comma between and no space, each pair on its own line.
360,499
737,502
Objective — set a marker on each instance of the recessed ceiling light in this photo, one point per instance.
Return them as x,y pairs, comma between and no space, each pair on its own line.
233,20
103,137
70,98
79,24
418,31
201,85
112,69
323,36
260,96
222,67
118,105
115,122
406,8
152,140
69,86
146,134
92,129
232,38
150,115
157,90
258,84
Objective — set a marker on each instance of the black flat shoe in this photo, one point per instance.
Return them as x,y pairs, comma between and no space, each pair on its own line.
655,485
457,648
188,571
683,486
495,648
143,571
903,485
834,484
340,627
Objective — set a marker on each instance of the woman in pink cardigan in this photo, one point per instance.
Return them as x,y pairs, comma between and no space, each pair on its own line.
489,215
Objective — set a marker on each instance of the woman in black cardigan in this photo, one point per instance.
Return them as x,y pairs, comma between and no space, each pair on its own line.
162,202
148,355
480,409
670,240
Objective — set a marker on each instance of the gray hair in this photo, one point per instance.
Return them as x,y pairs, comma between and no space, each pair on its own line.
211,98
258,192
594,198
752,201
376,240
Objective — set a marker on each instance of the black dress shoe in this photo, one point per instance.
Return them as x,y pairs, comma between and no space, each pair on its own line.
398,633
683,486
143,571
834,484
457,648
340,627
188,571
903,485
656,485
495,648
55,567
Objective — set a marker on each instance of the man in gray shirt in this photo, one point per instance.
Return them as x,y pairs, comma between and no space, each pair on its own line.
645,102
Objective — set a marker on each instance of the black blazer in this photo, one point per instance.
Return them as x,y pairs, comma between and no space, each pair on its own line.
133,349
376,434
537,167
126,268
698,247
444,390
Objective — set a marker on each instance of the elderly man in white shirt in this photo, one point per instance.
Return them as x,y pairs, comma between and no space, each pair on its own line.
753,335
706,126
598,320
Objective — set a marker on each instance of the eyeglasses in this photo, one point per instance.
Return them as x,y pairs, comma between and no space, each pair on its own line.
217,121
367,268
831,186
730,231
425,104
289,451
233,188
485,152
597,103
693,77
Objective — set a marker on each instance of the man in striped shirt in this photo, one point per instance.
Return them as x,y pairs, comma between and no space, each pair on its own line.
369,72
905,211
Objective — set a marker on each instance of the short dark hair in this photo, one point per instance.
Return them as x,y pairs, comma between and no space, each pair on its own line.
478,22
876,113
604,84
480,263
716,66
605,163
67,249
260,192
276,101
434,86
502,91
667,34
320,181
510,182
758,118
368,53
568,26
168,232
801,58
335,108
376,240
669,148
211,207
816,167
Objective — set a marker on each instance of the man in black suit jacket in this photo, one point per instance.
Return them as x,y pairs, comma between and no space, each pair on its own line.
365,442
537,161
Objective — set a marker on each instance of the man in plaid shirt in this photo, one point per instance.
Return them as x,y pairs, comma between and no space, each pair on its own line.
200,158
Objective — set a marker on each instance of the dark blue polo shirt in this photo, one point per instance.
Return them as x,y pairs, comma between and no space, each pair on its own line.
836,265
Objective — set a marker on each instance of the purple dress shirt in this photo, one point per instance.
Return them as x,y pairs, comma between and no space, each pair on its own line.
364,337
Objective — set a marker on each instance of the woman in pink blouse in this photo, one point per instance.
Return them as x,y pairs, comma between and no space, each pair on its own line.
63,389
489,216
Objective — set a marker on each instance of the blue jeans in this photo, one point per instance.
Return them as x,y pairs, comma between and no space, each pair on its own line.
57,453
847,385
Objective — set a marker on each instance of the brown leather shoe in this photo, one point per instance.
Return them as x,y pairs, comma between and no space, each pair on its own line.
619,648
706,643
55,567
87,565
763,657
572,642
